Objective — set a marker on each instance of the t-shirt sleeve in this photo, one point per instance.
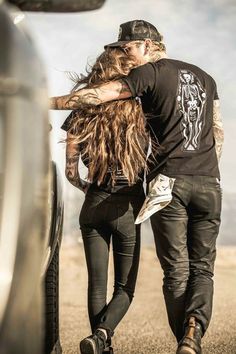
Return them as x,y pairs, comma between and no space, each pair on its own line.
141,79
68,122
216,96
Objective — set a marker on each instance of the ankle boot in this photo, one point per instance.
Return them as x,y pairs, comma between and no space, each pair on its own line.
94,344
191,341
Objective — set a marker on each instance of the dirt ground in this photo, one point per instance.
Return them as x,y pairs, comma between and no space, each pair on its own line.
144,330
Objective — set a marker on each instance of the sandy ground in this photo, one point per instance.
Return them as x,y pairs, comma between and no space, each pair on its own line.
144,330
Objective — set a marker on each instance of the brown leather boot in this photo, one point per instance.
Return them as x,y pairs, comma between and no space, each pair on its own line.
191,341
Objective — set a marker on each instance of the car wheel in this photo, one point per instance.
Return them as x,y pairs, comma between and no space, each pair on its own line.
52,339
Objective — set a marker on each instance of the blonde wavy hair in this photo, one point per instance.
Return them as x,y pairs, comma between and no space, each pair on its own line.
111,136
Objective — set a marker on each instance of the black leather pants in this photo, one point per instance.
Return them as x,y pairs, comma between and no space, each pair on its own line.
105,216
185,234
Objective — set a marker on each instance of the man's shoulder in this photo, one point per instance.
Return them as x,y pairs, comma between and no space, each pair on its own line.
192,67
143,70
143,67
179,64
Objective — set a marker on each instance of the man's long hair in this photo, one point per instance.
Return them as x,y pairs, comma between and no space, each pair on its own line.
111,136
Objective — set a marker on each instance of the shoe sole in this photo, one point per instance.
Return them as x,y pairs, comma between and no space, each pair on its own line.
185,350
108,351
87,346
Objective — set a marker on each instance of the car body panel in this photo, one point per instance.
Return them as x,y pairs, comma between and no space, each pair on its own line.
31,198
25,188
58,5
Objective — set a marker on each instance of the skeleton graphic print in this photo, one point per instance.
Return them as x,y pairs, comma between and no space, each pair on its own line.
191,99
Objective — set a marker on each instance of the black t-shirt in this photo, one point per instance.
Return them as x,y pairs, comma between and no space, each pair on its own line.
68,123
177,99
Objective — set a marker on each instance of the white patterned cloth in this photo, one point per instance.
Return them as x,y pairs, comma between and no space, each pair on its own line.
159,196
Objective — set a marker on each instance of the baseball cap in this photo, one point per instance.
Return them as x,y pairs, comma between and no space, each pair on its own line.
135,30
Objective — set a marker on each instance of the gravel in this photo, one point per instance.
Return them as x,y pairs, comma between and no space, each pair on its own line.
145,330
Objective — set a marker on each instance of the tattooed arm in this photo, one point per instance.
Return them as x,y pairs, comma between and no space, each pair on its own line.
218,129
72,161
113,90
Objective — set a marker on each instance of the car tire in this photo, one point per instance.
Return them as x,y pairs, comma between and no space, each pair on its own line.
52,339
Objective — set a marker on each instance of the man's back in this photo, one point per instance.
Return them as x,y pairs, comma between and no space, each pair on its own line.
177,99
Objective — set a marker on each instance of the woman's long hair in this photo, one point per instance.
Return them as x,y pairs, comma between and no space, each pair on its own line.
111,136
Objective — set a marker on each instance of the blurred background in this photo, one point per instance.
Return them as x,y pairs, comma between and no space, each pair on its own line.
202,33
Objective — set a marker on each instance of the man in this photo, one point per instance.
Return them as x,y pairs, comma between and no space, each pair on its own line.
182,108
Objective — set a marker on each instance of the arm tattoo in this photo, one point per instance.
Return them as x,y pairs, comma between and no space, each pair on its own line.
76,100
72,160
218,131
92,96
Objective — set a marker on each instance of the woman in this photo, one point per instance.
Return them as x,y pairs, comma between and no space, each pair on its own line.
111,139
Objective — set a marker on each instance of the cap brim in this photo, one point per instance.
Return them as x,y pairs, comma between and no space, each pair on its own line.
116,44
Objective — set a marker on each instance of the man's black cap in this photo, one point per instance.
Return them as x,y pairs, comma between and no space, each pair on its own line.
135,30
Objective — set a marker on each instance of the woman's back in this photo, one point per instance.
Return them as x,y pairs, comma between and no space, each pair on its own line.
111,138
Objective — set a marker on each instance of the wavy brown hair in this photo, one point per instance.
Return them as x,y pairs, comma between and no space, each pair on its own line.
111,136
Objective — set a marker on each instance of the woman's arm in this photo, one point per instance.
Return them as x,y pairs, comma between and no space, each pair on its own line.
114,90
72,162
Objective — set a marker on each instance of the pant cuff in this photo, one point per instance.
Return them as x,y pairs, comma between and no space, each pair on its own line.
198,319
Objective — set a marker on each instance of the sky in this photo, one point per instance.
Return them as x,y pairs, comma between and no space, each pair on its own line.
199,32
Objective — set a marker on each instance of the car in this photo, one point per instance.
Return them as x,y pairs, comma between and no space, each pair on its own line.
31,202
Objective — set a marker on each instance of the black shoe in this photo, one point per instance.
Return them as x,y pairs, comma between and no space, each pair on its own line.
94,344
191,341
